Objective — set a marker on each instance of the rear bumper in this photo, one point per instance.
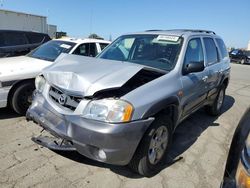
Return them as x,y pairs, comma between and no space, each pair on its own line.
4,91
89,137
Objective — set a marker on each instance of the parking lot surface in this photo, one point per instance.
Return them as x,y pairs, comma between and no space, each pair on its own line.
197,157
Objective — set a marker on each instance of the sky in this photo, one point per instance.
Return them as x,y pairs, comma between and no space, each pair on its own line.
228,18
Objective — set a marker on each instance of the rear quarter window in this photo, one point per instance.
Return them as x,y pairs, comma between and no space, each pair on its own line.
222,48
35,38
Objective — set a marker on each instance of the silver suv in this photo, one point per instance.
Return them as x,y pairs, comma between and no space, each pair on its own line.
123,106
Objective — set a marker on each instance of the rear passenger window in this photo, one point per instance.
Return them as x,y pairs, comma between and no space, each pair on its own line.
211,50
13,39
222,47
194,52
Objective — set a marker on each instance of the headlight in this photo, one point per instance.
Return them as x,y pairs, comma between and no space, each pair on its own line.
40,83
109,110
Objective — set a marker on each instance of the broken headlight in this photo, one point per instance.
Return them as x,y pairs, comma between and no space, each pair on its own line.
40,83
109,110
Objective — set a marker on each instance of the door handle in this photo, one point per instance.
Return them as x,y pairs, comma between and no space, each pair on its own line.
205,78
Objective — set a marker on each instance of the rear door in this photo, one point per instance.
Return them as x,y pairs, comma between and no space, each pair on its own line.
214,67
194,84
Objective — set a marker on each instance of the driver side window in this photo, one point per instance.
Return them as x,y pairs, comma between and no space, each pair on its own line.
194,52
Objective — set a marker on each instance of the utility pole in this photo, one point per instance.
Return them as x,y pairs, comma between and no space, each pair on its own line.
110,37
47,21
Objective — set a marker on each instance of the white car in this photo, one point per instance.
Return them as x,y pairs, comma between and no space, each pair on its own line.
17,73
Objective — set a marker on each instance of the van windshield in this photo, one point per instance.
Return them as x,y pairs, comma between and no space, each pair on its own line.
157,51
51,50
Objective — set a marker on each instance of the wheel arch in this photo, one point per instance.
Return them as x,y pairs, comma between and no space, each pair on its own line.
168,106
225,81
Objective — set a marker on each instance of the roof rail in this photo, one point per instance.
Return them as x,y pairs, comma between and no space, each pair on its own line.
185,30
202,31
194,30
153,30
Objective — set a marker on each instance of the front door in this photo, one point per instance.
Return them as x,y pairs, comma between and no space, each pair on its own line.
194,84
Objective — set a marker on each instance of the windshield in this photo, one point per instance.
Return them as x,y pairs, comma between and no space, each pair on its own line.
157,51
51,50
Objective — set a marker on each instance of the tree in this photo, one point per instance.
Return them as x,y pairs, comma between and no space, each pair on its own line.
95,36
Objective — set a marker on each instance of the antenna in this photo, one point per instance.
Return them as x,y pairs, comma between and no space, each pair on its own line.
91,20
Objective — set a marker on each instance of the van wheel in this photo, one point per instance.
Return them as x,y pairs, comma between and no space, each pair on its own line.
152,150
22,97
215,108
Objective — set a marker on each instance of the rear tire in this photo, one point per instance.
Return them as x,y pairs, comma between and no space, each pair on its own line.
155,143
243,61
22,97
215,108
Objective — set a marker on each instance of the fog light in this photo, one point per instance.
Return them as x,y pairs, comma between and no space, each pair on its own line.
102,154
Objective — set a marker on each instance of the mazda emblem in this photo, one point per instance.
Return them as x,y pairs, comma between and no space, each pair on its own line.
62,99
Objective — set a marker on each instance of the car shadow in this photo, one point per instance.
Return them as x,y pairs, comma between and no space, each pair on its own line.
7,113
189,131
185,136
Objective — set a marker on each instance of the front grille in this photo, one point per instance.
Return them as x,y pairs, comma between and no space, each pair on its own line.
62,99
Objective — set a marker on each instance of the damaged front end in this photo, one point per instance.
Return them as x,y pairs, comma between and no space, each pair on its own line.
98,126
54,143
113,143
140,78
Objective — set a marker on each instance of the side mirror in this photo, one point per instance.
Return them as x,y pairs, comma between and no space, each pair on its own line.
193,66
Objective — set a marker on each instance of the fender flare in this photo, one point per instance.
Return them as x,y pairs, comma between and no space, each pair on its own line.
161,105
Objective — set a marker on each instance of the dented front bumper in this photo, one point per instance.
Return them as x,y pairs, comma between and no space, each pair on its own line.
105,142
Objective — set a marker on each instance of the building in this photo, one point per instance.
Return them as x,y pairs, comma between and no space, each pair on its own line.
248,46
13,20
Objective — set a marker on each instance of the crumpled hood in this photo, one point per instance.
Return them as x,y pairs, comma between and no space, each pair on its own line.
20,67
86,75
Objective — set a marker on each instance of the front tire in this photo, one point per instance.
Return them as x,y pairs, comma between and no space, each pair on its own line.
215,108
153,147
22,97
